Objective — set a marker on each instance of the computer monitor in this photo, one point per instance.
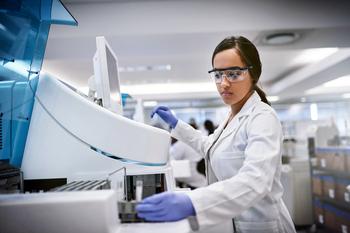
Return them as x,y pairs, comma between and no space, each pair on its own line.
106,76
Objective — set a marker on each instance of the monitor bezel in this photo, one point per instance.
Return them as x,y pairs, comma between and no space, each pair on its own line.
102,78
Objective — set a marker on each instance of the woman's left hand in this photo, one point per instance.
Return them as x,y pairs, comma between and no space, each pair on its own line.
166,207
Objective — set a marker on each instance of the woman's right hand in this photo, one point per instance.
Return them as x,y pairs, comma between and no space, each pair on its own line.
166,115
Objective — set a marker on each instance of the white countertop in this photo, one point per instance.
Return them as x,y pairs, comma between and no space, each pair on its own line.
182,226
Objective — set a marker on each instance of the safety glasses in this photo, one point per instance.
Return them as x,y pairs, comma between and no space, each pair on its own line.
232,74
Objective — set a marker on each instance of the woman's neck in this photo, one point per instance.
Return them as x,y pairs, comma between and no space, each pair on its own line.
235,108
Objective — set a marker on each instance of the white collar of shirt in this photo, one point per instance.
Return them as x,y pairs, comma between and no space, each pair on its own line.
235,122
248,106
245,110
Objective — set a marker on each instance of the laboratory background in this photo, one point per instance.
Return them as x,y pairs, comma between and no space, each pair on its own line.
79,80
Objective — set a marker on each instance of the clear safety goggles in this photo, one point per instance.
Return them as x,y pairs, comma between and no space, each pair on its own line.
232,74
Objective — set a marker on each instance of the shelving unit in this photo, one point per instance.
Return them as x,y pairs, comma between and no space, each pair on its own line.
330,171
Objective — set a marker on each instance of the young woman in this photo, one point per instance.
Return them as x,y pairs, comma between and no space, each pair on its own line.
243,155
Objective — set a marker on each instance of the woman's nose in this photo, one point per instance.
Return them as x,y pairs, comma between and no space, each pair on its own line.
224,81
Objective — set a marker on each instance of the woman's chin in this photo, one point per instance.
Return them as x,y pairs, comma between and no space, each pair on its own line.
228,101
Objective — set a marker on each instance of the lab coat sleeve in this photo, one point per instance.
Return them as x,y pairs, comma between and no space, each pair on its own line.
194,138
177,152
227,199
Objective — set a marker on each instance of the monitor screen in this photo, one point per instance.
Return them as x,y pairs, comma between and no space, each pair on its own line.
107,76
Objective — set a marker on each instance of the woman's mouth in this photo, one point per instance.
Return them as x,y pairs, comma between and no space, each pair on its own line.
226,94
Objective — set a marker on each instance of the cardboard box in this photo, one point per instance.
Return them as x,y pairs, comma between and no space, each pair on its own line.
322,157
343,221
330,216
341,193
319,212
328,183
337,160
332,158
347,159
317,187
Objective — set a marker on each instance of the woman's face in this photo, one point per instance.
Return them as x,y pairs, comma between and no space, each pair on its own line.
232,92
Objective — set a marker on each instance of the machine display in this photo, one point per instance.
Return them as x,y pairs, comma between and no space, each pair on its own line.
106,76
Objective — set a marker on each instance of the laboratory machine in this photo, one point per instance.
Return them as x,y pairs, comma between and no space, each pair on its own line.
82,165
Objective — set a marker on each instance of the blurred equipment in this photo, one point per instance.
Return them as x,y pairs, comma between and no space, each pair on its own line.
11,179
297,191
325,134
184,161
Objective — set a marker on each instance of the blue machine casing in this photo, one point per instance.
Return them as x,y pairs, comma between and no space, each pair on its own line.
24,29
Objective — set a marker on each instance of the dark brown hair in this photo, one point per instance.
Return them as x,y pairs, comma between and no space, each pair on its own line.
249,55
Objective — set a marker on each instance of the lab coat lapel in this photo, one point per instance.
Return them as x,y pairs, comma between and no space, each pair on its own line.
230,129
236,122
217,134
210,174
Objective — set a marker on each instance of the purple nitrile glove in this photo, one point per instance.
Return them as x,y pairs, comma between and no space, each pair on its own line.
166,115
166,207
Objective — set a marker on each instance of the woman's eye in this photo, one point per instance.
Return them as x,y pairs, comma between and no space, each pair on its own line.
234,74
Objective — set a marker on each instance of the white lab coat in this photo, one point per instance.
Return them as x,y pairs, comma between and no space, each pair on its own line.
182,151
244,171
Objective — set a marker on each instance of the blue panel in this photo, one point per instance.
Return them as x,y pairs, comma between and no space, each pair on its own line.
5,118
10,5
19,32
125,96
61,15
24,30
23,101
39,48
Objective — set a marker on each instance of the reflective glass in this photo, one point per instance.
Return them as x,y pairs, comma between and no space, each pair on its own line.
24,29
232,74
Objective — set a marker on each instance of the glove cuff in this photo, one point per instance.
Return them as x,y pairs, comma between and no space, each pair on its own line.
173,124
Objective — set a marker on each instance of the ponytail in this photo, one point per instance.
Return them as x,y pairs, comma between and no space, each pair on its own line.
262,94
